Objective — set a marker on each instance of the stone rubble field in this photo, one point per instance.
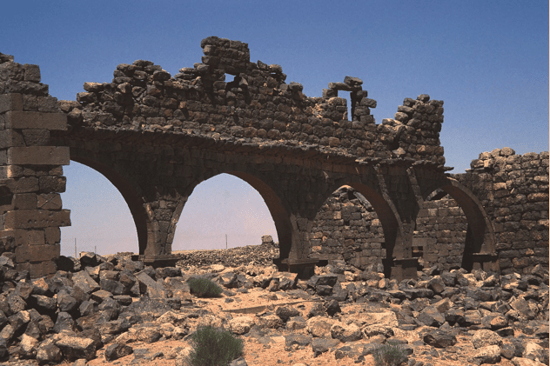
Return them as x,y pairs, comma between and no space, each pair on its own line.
115,311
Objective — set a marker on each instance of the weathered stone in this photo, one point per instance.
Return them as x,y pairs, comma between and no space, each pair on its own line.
241,325
74,348
115,351
440,339
152,288
488,354
48,352
345,332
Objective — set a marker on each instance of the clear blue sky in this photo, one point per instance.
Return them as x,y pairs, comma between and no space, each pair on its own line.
488,60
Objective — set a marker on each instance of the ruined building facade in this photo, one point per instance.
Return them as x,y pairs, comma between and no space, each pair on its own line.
157,136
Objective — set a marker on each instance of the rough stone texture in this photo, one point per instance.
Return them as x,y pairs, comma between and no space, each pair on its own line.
156,136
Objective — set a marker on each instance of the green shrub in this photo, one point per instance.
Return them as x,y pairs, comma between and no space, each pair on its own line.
204,287
214,347
389,354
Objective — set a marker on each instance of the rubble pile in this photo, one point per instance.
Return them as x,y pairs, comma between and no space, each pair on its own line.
109,303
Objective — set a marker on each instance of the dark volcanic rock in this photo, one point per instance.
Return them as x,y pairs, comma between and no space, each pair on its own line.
116,351
440,339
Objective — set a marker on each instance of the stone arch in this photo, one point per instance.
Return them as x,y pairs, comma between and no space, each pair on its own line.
286,228
480,237
130,192
387,215
389,218
346,226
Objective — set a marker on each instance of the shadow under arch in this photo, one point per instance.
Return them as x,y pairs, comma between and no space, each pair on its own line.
128,191
480,237
279,214
390,224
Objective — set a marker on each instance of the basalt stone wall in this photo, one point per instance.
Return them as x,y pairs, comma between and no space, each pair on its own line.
30,170
513,189
440,233
348,228
228,97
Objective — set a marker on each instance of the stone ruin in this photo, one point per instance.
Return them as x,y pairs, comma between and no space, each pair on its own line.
157,136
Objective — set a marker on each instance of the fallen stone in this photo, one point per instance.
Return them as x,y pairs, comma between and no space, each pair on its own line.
521,361
322,345
74,348
485,337
241,325
299,339
115,351
488,354
152,288
48,352
440,339
345,332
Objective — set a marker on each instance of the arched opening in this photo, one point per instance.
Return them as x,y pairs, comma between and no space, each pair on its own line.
236,206
347,227
101,220
479,239
440,232
377,233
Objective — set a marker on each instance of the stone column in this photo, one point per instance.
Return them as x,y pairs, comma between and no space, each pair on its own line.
31,176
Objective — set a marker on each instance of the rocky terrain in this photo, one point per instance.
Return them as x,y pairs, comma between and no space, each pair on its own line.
115,310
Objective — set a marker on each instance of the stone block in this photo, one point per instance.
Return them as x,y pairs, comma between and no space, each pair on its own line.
39,155
49,184
25,185
10,138
30,219
49,201
37,270
36,137
24,120
11,102
36,253
28,237
24,201
53,234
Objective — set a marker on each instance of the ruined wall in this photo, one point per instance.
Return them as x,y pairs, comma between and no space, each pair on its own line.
30,170
227,97
347,227
155,137
440,233
513,189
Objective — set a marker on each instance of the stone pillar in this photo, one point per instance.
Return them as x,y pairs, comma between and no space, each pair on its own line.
31,175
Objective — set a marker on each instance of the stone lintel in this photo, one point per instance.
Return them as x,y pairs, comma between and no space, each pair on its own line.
39,155
34,219
34,120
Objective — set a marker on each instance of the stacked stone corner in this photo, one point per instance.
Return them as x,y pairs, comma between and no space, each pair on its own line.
31,174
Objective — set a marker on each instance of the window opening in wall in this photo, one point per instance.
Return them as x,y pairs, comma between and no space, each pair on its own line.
349,111
100,218
223,205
